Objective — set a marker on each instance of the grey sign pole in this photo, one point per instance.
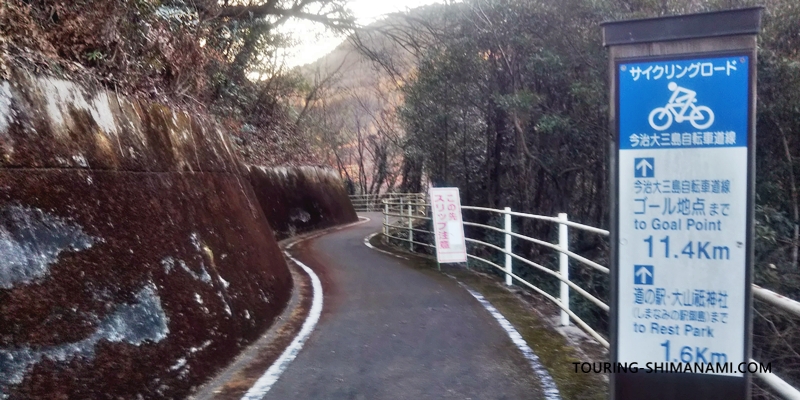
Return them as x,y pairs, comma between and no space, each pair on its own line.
683,102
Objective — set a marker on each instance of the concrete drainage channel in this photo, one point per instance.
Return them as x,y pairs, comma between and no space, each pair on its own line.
307,294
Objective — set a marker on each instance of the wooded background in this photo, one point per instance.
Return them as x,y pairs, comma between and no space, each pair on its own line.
505,99
508,101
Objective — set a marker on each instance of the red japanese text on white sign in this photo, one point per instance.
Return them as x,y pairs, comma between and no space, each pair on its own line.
448,225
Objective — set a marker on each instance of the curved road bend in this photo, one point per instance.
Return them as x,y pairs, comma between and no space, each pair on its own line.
393,332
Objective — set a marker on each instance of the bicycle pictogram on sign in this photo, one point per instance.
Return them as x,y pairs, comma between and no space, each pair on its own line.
681,103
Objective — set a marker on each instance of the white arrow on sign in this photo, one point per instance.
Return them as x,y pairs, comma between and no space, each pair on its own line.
644,165
642,274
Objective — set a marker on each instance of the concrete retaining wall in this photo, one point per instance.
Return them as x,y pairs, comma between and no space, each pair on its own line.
301,199
135,259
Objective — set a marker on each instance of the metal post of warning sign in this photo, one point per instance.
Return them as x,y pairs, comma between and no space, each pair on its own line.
682,111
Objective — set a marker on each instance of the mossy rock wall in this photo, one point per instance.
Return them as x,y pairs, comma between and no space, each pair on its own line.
301,199
135,260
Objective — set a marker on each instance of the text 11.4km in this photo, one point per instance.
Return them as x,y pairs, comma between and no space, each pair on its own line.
693,249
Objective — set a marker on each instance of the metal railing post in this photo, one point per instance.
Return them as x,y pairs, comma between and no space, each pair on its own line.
509,261
400,212
563,266
385,218
410,231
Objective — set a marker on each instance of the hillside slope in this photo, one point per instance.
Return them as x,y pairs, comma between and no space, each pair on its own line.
360,86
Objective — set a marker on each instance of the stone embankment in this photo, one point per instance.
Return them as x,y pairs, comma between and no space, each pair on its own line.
136,259
301,199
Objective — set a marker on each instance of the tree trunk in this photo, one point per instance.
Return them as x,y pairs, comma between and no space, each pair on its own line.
247,53
793,189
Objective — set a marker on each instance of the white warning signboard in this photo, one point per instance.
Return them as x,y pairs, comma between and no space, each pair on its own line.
448,225
682,219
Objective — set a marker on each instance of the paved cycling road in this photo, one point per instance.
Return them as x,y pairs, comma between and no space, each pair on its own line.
389,331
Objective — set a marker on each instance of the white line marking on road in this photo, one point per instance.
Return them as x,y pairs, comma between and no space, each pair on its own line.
264,384
367,239
368,244
548,385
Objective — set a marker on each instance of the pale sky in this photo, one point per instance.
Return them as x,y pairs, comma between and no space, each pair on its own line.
315,42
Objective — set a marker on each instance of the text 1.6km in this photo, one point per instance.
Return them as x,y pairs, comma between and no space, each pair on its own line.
690,354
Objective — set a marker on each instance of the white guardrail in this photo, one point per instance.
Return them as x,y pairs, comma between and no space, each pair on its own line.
374,202
411,207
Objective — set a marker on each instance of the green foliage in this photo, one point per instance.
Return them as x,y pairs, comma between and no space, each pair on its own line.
552,124
95,56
